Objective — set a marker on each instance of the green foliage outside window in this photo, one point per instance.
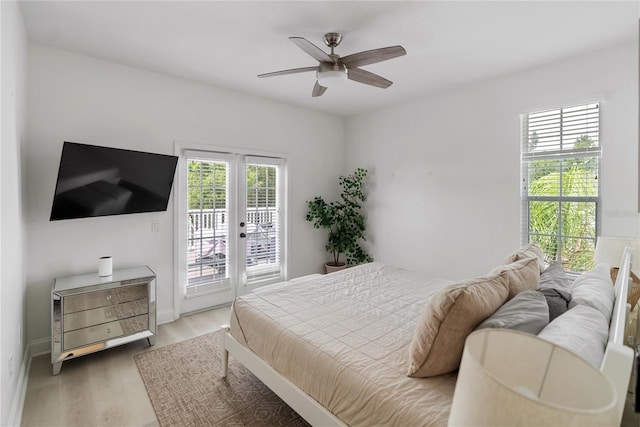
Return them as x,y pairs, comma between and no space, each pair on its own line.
208,185
261,186
565,228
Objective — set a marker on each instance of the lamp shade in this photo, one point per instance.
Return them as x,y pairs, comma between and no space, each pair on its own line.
609,250
509,378
332,78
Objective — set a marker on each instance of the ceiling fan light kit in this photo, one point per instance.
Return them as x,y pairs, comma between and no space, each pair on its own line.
334,71
332,76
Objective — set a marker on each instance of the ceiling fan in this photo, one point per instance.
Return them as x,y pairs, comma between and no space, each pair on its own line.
333,70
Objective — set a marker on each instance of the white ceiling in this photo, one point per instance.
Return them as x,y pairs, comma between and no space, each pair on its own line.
227,43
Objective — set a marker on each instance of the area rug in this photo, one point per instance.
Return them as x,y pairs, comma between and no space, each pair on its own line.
185,385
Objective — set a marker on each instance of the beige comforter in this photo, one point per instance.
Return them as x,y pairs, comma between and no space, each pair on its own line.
344,339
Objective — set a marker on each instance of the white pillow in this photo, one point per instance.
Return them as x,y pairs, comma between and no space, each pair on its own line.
595,289
583,330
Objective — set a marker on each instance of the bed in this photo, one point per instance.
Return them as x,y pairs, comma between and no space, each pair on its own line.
341,349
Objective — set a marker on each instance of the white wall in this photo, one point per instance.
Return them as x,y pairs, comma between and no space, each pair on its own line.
12,281
444,194
82,99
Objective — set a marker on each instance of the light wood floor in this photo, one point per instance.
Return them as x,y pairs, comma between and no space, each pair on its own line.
104,388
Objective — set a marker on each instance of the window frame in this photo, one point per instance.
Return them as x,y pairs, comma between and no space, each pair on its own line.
216,284
527,157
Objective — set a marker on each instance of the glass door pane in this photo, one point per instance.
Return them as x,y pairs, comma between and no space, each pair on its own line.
208,226
262,212
208,244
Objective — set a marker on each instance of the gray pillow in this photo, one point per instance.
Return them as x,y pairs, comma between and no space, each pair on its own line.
526,312
557,301
555,277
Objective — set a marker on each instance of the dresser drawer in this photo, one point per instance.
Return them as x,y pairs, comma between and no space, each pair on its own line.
88,301
104,331
96,316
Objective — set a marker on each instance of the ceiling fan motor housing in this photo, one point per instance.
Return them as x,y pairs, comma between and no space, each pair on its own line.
332,39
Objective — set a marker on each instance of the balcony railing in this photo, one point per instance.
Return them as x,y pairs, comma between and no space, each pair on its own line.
204,222
207,255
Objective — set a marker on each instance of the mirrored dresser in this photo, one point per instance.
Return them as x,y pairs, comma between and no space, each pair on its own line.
90,313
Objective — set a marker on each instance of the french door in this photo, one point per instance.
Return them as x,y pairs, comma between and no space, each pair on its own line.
231,226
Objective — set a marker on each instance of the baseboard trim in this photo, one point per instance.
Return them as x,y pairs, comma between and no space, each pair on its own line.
17,405
40,347
166,316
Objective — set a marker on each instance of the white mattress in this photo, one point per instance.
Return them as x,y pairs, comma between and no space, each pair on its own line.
343,338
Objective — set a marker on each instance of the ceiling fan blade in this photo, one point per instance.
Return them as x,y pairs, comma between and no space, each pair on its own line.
363,76
291,71
311,49
318,90
372,56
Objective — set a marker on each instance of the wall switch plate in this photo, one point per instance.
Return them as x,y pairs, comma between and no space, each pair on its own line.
155,226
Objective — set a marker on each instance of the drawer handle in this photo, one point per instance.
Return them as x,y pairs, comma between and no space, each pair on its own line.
108,314
108,297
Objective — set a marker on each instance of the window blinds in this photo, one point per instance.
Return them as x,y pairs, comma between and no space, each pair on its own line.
207,225
263,212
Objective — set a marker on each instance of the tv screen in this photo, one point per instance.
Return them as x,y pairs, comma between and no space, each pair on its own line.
99,181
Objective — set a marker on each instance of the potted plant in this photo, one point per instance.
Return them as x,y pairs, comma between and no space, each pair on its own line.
344,222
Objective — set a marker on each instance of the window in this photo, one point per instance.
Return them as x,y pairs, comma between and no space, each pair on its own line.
560,188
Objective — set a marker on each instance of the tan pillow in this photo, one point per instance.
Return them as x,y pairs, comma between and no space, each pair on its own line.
531,250
451,315
523,275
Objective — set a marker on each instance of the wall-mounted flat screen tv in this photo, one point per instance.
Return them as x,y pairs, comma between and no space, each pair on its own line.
99,181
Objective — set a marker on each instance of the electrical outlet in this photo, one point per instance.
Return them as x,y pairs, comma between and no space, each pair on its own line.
10,365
